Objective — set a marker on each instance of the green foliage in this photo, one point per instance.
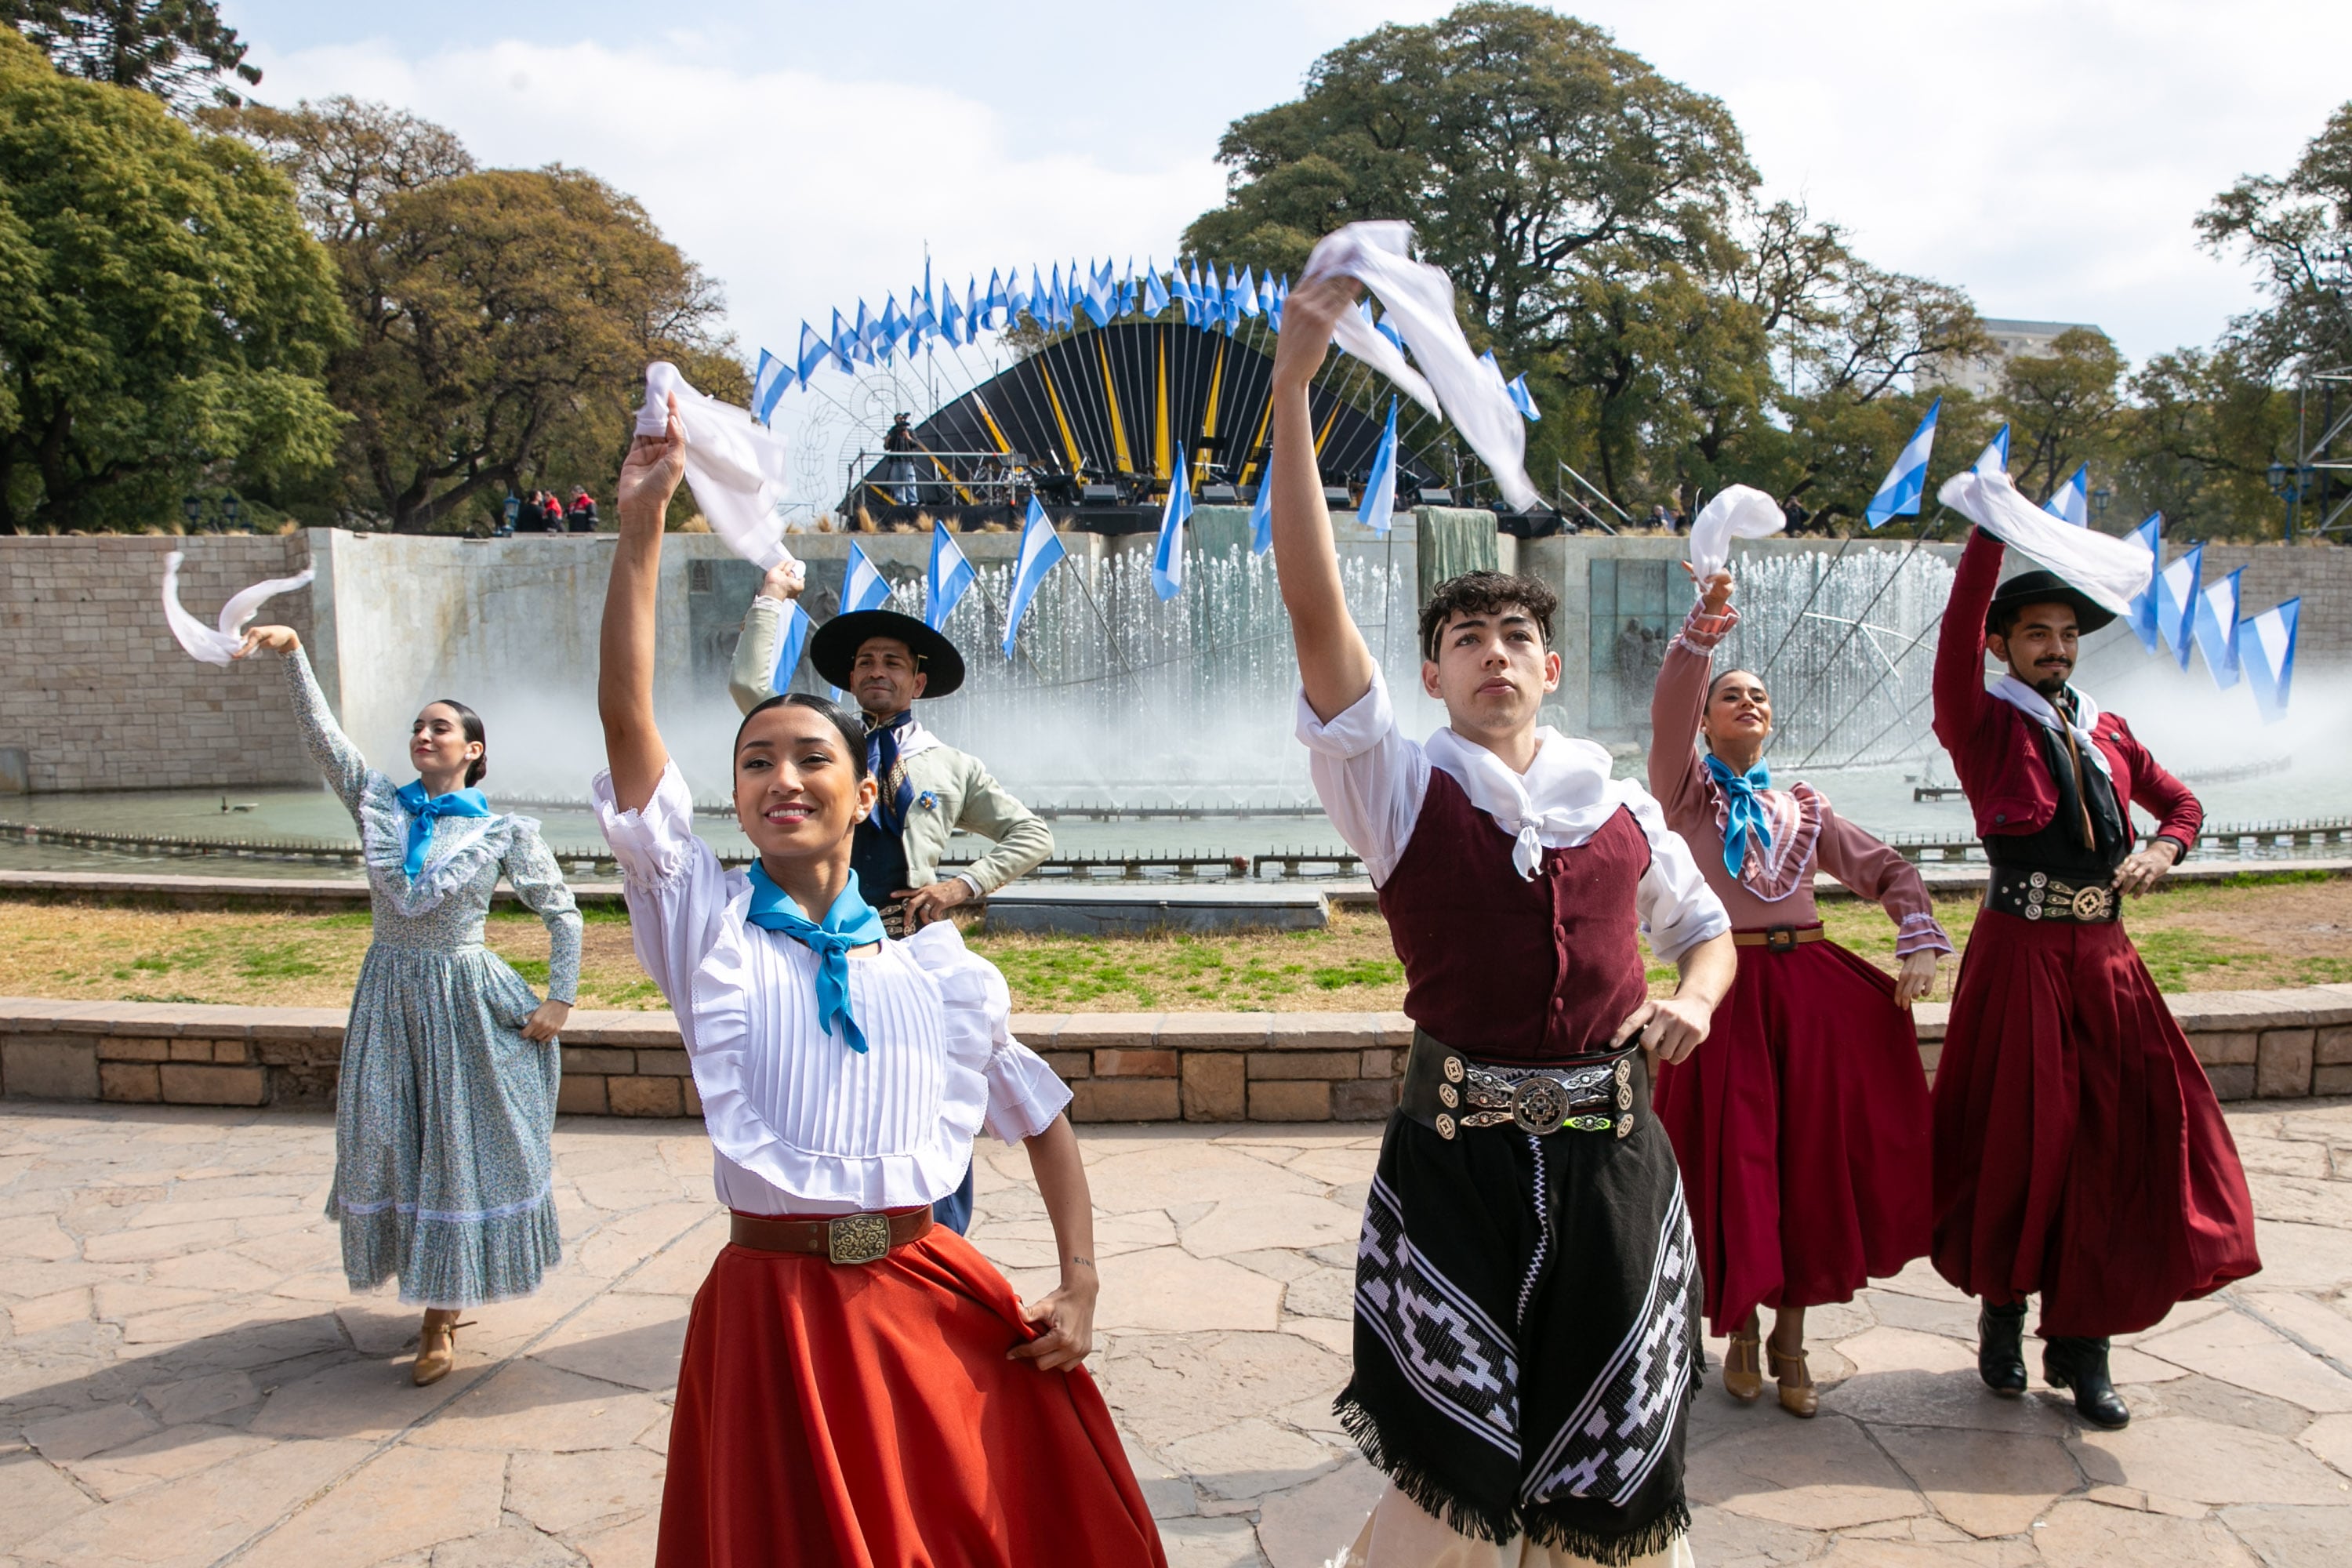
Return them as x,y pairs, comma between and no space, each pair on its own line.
164,316
176,49
2297,231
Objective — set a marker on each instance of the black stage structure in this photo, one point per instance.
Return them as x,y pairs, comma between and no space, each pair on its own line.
1093,422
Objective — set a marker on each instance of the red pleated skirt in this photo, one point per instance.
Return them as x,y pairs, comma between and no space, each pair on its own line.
865,1415
2080,1153
1802,1127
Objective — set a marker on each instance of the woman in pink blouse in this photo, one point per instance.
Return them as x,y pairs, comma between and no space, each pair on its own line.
1801,1124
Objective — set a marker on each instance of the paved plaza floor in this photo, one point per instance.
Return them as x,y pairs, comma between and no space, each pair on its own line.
185,1379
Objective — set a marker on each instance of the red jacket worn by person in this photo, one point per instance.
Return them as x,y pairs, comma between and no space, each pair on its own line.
1997,749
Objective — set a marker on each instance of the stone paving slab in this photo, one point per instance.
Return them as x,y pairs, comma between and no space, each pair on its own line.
186,1380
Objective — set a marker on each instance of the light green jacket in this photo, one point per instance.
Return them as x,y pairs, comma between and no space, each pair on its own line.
952,790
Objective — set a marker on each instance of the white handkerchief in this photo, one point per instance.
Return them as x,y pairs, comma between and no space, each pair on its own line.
219,646
1740,511
734,466
1419,303
2112,570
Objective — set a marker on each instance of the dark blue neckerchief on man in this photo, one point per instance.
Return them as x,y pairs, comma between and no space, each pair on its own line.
1743,813
896,794
851,923
422,808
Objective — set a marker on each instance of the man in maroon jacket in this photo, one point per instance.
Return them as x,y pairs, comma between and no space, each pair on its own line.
2079,1150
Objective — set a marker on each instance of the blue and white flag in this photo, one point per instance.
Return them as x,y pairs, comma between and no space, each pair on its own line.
1261,513
1390,332
2217,628
845,344
2176,602
2146,609
1155,291
950,578
1906,481
1168,555
1265,296
922,311
891,328
1245,295
1097,298
2071,502
2266,649
1041,550
1522,399
1018,300
1994,458
788,652
951,318
813,350
862,334
1379,489
769,384
862,586
973,310
1273,305
993,300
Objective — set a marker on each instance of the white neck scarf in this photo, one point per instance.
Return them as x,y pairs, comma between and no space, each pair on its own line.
2035,705
1562,800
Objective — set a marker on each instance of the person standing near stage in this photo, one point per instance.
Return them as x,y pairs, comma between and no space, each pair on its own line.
1526,1291
857,1386
1802,1123
2080,1153
446,1103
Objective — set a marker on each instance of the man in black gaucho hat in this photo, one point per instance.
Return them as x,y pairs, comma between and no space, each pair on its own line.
2079,1150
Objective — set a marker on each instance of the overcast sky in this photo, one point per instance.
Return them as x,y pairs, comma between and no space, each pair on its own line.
2048,157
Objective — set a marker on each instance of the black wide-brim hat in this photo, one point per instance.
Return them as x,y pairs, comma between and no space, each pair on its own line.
2040,587
834,648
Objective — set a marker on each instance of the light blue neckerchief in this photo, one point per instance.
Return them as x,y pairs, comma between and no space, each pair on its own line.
422,808
1743,813
851,923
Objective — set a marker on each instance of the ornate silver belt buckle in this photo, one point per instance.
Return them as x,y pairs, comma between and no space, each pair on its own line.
1540,1105
858,1238
2093,903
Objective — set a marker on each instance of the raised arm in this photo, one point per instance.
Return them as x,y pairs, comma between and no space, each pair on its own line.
1960,700
624,659
1679,700
346,770
1334,664
751,680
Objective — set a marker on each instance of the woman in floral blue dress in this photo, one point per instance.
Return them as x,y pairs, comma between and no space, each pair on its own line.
444,1176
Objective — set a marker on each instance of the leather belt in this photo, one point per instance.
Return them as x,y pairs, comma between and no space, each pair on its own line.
1449,1093
2044,895
1779,938
846,1239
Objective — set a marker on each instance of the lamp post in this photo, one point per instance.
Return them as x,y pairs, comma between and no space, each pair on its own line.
2099,499
2290,484
191,507
230,506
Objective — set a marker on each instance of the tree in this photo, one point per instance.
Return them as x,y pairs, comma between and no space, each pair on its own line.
502,316
2197,442
176,49
163,314
2063,407
2298,232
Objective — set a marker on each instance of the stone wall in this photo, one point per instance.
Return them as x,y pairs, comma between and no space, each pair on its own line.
1121,1067
95,694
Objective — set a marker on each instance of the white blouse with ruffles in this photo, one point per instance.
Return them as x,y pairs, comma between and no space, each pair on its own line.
800,1124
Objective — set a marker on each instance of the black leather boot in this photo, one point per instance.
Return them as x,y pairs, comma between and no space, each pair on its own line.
2081,1366
2000,1347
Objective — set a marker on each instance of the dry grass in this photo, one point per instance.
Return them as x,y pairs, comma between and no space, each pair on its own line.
2281,929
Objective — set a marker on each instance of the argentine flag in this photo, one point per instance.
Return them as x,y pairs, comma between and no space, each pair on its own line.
2145,608
1041,551
788,655
1906,481
1261,513
1994,458
844,344
1168,555
1155,289
1379,489
2217,628
1522,399
2176,601
2071,502
769,384
1245,295
813,350
2266,644
862,586
950,578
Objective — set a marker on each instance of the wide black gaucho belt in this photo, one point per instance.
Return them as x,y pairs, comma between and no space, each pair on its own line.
1449,1093
2040,896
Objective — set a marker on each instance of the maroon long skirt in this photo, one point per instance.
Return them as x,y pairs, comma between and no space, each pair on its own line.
2079,1151
865,1415
1802,1127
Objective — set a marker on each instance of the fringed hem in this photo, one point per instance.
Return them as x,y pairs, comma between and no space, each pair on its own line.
1538,1523
444,1264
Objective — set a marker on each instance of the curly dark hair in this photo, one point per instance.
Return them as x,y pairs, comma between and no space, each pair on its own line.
1485,594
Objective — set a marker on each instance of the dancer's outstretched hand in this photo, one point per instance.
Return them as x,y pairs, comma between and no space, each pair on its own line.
1067,1317
276,640
784,583
651,472
1308,315
1916,977
1670,1025
1713,594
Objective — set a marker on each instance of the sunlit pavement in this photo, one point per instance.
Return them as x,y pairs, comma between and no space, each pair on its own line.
185,1379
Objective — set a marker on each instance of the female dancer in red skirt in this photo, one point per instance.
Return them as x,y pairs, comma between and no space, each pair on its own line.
1801,1124
860,1387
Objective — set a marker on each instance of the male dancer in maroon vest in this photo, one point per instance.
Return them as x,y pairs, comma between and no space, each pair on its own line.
1526,1287
2079,1152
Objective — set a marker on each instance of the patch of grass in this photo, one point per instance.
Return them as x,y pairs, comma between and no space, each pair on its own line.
2173,956
290,960
1361,971
533,969
2323,971
2274,879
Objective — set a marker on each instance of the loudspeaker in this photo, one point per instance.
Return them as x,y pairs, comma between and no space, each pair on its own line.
1336,495
1220,495
1436,495
1099,495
